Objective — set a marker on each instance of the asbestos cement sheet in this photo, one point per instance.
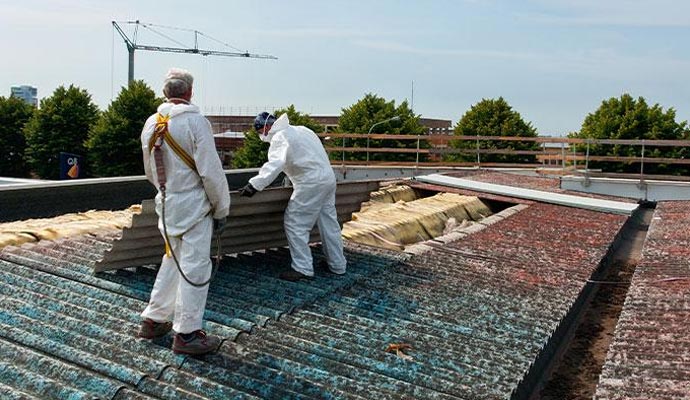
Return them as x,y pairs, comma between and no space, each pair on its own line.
608,206
253,224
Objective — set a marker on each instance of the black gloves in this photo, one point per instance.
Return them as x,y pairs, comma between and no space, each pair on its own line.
219,225
248,190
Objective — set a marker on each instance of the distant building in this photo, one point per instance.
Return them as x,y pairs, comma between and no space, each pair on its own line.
243,123
226,144
27,93
228,130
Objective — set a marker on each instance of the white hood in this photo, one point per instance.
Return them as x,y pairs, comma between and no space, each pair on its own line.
190,194
173,109
281,123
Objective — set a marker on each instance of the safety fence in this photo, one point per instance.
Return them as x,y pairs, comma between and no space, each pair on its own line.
576,155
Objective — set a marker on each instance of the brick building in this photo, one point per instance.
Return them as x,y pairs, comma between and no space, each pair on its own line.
229,130
243,123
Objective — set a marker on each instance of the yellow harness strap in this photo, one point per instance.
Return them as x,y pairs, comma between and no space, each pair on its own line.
161,131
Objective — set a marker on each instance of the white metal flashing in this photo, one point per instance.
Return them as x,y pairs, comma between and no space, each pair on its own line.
652,190
609,206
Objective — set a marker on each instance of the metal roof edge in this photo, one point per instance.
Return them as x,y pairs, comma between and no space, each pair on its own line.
609,206
647,189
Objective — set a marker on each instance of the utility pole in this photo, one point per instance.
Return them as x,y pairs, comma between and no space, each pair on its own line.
132,46
412,99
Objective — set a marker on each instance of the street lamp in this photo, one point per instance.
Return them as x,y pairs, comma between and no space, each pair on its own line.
396,118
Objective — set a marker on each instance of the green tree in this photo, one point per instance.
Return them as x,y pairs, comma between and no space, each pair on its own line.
14,114
254,152
493,117
114,146
627,118
62,123
370,110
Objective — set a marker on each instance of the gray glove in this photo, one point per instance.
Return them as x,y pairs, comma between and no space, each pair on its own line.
248,190
219,225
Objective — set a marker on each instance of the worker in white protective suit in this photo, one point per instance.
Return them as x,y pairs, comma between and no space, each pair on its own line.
297,151
193,196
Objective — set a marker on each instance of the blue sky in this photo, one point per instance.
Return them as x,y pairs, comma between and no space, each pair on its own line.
554,61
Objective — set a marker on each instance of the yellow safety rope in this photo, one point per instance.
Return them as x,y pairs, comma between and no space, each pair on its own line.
161,131
159,136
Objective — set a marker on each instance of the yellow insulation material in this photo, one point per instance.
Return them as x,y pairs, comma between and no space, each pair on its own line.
477,210
373,205
398,224
32,230
389,194
7,239
393,193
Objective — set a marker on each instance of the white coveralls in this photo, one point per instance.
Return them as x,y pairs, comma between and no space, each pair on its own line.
192,201
297,151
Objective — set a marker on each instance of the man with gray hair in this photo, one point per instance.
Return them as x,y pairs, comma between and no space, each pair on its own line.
193,201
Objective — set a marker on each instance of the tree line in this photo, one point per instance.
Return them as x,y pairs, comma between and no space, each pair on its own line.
69,121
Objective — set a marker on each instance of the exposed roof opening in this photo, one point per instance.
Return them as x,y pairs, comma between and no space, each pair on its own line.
399,215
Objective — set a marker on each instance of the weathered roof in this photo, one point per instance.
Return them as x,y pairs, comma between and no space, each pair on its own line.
649,355
479,314
548,183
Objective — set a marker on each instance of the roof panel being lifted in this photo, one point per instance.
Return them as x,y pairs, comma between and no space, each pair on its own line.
253,224
609,206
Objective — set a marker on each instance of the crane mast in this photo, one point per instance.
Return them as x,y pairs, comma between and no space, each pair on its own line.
132,45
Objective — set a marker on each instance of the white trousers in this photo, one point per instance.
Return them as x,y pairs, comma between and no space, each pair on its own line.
309,205
172,297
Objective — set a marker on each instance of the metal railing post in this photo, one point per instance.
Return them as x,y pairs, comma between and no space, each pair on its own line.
586,182
478,160
642,163
417,160
368,148
574,159
543,153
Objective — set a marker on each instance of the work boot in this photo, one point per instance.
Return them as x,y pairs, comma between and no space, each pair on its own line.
151,329
196,343
323,266
294,276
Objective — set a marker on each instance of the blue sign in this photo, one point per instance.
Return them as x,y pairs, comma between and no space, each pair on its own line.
70,166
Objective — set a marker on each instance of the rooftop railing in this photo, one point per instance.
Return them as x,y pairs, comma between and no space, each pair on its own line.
574,155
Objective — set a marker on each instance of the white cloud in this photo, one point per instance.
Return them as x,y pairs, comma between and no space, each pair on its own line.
327,32
633,13
601,63
397,47
54,13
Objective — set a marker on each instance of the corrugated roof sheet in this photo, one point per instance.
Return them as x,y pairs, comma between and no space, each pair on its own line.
649,357
477,312
253,224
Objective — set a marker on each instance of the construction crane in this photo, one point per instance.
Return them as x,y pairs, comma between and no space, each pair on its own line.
133,45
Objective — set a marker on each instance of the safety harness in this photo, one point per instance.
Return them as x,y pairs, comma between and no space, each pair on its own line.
161,135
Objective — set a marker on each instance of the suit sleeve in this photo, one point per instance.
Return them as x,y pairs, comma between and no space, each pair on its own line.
146,133
277,156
